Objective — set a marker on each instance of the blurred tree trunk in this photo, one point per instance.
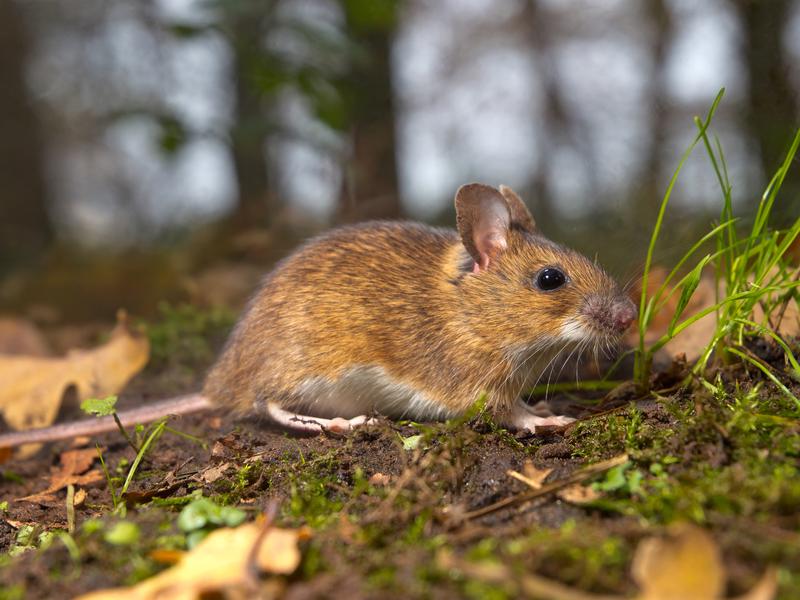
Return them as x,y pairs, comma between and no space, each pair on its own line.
772,102
257,202
25,229
650,188
556,124
369,187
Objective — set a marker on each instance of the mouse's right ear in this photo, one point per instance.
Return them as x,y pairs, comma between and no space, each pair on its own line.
520,215
483,219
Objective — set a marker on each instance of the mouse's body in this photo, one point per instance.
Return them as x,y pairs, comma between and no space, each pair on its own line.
410,321
322,338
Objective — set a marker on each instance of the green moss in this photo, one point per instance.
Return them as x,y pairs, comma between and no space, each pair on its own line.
183,335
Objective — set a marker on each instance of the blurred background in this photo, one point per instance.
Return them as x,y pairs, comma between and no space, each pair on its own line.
172,150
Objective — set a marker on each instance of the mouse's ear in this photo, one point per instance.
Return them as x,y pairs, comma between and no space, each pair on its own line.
520,215
483,219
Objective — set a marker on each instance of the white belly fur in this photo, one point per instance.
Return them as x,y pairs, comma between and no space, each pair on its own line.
364,390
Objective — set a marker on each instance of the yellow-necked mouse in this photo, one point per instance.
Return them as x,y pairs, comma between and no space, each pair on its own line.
409,321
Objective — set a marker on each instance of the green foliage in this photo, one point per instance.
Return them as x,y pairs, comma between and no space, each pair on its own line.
31,537
411,442
100,407
122,533
201,516
751,271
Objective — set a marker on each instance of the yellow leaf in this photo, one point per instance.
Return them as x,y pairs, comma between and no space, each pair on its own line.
683,565
221,561
32,388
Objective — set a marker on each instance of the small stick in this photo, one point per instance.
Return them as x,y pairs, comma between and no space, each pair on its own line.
143,414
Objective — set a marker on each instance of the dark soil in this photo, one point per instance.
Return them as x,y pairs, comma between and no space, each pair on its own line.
386,516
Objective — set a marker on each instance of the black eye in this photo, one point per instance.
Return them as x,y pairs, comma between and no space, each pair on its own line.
550,279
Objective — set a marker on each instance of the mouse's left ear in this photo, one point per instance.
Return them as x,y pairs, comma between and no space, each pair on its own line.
483,219
520,214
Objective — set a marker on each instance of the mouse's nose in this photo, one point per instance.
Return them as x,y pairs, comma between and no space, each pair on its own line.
623,314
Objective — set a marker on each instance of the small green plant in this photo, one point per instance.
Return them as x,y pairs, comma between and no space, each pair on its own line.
750,269
201,516
104,407
143,438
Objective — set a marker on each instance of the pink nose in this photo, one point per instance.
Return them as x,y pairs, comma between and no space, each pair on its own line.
623,314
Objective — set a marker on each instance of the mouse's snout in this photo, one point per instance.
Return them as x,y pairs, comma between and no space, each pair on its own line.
614,314
623,314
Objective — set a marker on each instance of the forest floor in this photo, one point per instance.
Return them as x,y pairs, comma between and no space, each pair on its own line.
404,510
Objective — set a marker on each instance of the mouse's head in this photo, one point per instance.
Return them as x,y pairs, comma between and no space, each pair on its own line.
524,292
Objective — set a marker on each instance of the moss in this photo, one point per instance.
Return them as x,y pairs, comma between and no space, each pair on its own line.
184,335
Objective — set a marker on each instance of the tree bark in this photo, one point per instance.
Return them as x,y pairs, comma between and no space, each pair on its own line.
25,228
256,203
650,190
370,182
771,115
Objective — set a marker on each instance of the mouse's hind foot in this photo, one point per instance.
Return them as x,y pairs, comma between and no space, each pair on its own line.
521,418
304,424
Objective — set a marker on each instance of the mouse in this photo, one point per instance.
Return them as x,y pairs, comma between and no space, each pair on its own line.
407,321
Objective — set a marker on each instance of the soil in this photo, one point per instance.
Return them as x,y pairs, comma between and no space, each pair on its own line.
386,509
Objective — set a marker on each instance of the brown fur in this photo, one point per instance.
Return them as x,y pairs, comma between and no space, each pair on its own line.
402,296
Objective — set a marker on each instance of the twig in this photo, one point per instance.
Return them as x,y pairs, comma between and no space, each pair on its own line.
549,488
70,508
124,432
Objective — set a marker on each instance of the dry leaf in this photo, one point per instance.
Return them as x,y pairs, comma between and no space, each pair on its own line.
218,562
579,494
212,474
531,476
166,557
80,497
73,470
379,479
687,564
32,388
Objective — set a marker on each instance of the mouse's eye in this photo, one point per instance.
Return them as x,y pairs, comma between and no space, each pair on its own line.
549,279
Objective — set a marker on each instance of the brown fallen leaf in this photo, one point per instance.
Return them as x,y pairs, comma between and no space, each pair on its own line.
32,388
219,562
579,494
379,479
212,474
530,476
73,470
686,563
535,478
80,497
